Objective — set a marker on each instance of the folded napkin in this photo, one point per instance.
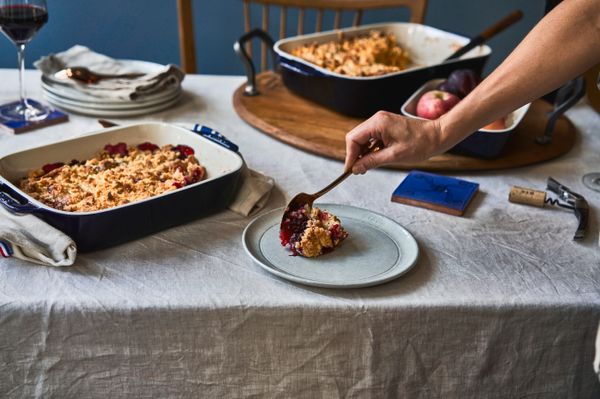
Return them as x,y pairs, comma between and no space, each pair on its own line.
167,78
253,193
30,238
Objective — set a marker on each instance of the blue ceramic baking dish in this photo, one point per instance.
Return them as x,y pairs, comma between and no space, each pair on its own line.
108,227
363,96
483,143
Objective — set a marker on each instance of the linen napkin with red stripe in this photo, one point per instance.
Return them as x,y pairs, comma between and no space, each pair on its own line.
31,239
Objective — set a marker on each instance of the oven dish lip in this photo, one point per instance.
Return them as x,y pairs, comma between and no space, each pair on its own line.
235,159
283,46
515,117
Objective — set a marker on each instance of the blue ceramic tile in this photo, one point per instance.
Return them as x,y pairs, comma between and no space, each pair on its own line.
441,191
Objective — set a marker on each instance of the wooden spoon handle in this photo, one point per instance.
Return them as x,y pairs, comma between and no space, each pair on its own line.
487,34
504,23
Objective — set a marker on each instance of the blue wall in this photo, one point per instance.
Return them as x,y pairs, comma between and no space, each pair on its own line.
147,29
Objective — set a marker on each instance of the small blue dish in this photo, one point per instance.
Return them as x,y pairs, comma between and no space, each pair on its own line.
484,143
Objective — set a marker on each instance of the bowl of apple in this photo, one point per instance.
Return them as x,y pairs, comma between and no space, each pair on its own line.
438,96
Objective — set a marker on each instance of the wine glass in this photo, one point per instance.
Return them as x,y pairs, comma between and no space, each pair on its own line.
592,180
20,20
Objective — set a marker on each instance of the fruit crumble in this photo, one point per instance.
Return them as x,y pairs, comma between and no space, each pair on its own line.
311,232
117,175
376,53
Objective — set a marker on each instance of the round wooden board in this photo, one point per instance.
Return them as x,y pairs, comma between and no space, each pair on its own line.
308,126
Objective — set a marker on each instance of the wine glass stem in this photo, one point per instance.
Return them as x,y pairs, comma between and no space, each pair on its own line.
21,57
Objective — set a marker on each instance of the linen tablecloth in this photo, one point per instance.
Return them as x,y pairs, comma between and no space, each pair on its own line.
501,304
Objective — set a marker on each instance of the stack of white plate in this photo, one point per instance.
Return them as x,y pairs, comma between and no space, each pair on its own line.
68,98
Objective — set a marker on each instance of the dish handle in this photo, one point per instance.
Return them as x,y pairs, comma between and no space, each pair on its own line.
238,47
14,202
567,96
215,137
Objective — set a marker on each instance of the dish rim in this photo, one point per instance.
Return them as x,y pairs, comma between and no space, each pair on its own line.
521,111
461,39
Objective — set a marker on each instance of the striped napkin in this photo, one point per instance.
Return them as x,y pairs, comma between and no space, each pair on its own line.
30,238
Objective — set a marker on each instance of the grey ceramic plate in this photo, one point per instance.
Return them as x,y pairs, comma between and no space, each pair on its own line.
377,250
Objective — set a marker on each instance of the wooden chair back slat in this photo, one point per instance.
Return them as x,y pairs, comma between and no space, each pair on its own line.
301,21
263,46
247,24
282,22
357,18
319,24
187,47
337,21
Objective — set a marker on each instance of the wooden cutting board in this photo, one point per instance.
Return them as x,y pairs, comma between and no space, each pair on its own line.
308,126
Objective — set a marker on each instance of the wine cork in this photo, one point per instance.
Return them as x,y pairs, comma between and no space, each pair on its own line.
527,196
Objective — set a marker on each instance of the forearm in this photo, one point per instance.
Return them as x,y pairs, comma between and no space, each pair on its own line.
563,45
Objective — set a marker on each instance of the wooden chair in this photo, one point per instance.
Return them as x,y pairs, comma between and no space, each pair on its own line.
417,14
187,47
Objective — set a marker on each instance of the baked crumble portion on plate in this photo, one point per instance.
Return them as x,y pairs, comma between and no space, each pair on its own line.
118,175
376,53
311,232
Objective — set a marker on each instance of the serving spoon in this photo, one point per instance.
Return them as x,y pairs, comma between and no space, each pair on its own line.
487,34
84,75
303,199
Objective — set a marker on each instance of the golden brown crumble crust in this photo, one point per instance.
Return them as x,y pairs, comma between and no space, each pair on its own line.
109,180
374,54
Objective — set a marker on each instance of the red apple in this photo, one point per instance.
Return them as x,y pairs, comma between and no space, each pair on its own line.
498,124
435,103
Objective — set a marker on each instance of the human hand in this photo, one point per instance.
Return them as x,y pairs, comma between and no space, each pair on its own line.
405,140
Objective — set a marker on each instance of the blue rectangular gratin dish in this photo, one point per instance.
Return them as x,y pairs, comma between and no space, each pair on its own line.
360,96
104,228
483,143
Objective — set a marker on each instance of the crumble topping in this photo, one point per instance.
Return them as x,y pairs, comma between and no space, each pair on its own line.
311,232
374,54
117,176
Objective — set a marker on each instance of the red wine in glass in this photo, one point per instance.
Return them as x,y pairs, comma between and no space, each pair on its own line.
20,20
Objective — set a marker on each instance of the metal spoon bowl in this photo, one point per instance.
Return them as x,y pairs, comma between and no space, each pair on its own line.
303,199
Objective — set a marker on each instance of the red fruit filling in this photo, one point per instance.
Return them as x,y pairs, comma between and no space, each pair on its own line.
49,167
292,228
194,177
147,146
337,233
119,148
184,151
310,232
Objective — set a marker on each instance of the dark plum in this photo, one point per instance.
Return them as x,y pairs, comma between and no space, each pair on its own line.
460,82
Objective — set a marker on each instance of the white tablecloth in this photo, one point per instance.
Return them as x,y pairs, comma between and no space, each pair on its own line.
502,302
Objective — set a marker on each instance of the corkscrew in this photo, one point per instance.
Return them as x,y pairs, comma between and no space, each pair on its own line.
566,199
